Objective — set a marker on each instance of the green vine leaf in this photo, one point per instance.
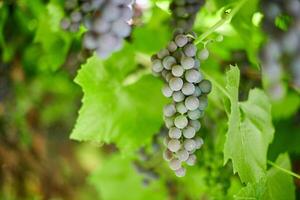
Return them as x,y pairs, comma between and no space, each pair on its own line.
250,131
114,112
276,185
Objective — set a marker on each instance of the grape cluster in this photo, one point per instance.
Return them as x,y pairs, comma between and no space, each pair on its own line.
184,13
178,66
281,53
107,23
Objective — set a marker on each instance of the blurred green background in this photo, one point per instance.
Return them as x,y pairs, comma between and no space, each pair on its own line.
39,104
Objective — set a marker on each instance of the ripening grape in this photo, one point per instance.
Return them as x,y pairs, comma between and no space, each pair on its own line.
163,53
196,124
168,61
184,13
195,114
169,110
181,40
180,172
106,23
180,121
169,122
166,90
167,155
172,46
175,164
182,155
203,54
180,107
189,132
191,103
188,89
178,96
174,145
199,142
189,144
193,76
191,160
176,83
179,68
202,102
187,62
190,50
174,133
205,86
157,66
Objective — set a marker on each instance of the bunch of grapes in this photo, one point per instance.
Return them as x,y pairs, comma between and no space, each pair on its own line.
184,13
281,52
107,23
178,66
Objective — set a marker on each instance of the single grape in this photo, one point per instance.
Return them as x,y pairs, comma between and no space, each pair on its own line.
188,89
157,66
178,54
205,86
163,53
167,155
166,141
197,91
168,76
121,28
178,96
189,132
110,13
199,142
175,133
196,124
180,107
219,38
176,84
182,155
175,164
193,76
126,13
76,16
189,144
168,62
172,46
202,102
187,62
195,114
191,160
180,172
190,50
181,40
191,103
89,41
203,54
177,70
166,90
174,145
169,122
169,110
180,121
197,64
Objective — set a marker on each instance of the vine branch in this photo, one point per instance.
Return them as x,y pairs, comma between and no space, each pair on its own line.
284,170
225,18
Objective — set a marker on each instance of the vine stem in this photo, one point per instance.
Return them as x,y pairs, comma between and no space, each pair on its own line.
225,18
284,170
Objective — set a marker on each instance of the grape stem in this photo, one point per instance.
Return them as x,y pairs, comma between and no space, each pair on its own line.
284,170
225,18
